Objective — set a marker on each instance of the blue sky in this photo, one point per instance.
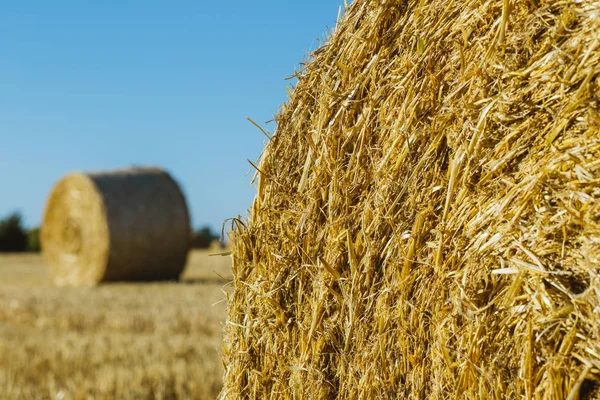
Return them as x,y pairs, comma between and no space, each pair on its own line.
107,84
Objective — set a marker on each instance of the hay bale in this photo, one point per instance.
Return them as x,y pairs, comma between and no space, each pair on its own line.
126,225
427,222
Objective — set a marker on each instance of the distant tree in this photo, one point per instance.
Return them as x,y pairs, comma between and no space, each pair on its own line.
33,240
13,237
203,237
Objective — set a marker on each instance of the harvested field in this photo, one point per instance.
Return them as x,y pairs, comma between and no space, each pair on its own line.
117,341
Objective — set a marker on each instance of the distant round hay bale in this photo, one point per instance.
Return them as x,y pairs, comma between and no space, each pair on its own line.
427,222
125,225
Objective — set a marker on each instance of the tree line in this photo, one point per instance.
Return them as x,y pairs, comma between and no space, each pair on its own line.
15,238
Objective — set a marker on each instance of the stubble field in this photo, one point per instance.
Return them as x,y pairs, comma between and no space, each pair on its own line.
118,341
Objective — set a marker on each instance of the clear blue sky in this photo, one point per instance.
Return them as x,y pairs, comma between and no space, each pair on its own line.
105,84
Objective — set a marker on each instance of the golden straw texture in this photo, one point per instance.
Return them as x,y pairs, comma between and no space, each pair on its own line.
130,224
427,222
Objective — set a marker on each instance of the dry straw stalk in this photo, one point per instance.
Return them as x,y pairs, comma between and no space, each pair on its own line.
130,224
427,223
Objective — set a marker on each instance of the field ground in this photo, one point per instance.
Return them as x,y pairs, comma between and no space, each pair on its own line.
118,341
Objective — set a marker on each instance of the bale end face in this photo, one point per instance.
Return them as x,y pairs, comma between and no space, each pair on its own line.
75,234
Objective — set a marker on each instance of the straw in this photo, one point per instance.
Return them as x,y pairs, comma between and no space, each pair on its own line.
427,222
130,224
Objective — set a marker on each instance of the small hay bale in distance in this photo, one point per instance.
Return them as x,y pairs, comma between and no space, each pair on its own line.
427,222
124,225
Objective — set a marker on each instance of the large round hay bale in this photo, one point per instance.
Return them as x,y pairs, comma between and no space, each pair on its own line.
125,225
427,222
